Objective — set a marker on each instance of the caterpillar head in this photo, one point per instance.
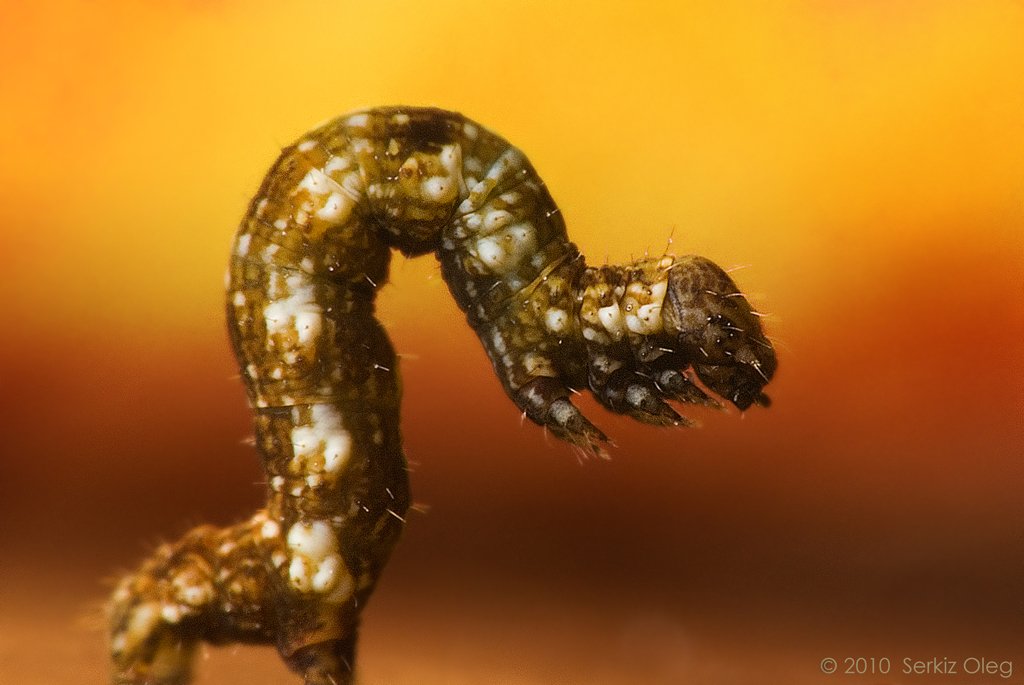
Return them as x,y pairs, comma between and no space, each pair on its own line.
713,325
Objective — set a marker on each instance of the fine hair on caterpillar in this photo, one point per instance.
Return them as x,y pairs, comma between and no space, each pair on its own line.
321,374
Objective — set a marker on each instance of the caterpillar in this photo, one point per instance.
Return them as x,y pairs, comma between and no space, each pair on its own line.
321,374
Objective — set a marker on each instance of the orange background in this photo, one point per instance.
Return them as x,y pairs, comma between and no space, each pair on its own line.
863,160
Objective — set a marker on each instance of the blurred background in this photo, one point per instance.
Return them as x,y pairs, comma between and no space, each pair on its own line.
862,161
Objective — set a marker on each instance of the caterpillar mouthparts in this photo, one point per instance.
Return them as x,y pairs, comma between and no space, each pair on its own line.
322,379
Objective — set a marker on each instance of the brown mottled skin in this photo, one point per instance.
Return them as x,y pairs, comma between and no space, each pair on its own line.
322,377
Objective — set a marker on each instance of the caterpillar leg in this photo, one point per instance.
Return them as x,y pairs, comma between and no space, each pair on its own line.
545,401
211,585
653,328
677,386
621,386
325,663
637,337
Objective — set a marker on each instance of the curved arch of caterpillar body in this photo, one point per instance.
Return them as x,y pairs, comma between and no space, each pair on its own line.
322,379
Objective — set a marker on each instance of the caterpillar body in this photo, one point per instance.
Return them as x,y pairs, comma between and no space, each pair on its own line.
322,378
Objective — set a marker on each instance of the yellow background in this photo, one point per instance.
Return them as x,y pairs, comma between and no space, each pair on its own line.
864,161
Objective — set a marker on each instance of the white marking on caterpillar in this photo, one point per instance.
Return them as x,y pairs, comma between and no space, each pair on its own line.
337,164
556,320
337,208
324,445
358,120
611,319
298,312
316,182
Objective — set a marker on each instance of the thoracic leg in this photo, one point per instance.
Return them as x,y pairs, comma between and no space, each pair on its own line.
546,402
619,383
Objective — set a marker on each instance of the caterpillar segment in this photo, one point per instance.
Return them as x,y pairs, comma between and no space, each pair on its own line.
322,377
